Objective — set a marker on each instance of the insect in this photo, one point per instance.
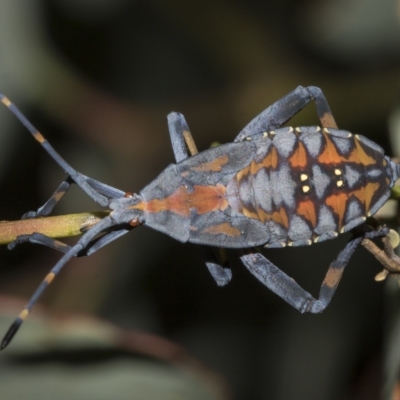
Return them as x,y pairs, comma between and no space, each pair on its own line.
273,186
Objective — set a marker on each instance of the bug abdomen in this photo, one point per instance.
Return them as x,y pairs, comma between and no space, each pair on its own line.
310,185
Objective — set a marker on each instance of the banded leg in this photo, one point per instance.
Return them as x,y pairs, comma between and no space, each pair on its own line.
99,192
82,243
81,180
47,208
285,287
182,140
284,109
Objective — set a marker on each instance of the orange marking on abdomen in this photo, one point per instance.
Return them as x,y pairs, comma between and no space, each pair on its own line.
203,198
249,213
299,157
279,216
366,193
270,161
338,203
364,158
307,210
331,156
243,172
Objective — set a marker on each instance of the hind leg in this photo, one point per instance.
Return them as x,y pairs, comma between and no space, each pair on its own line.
284,109
290,291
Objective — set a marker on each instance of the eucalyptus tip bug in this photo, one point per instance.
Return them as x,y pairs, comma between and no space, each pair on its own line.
272,186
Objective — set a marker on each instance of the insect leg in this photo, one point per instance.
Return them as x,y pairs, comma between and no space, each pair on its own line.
182,141
284,109
92,247
290,291
222,275
75,176
39,238
99,192
106,239
181,138
47,207
323,110
72,252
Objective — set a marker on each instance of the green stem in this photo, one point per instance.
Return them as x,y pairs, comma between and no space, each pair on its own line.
54,227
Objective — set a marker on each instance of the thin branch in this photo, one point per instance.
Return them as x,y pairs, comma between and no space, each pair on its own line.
54,227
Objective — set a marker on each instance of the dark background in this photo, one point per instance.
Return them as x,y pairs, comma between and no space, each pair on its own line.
98,78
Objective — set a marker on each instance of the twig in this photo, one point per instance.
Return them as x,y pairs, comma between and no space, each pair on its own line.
54,227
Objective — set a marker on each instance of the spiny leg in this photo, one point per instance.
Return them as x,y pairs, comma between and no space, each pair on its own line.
182,140
72,252
290,291
284,109
78,178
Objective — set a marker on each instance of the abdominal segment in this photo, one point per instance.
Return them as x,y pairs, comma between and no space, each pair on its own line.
308,185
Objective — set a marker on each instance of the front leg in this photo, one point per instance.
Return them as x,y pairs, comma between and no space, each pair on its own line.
101,188
290,291
182,141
